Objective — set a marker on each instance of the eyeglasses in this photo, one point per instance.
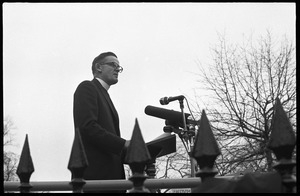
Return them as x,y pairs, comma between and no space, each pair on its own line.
115,66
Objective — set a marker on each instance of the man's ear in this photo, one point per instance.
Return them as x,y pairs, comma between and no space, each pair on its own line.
98,67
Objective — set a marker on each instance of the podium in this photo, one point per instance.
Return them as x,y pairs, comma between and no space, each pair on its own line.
161,146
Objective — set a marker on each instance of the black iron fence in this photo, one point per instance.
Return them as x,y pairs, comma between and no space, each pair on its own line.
282,143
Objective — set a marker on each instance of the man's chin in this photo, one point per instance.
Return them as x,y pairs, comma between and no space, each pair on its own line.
115,81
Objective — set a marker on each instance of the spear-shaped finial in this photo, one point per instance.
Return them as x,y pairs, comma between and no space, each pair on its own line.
282,142
282,139
25,167
206,148
77,163
137,157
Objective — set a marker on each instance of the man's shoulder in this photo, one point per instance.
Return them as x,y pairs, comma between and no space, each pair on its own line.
86,84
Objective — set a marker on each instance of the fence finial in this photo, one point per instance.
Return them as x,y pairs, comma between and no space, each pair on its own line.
282,139
77,163
25,168
282,142
137,157
205,149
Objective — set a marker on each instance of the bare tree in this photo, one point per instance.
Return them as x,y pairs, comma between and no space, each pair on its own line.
10,159
245,80
174,165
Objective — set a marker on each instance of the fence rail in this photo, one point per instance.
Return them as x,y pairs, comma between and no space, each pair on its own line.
106,184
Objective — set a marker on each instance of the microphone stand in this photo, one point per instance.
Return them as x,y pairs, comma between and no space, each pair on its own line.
189,138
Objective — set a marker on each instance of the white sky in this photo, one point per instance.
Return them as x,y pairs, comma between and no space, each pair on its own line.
48,50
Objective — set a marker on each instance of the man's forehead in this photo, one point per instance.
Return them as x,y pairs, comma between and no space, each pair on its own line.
110,59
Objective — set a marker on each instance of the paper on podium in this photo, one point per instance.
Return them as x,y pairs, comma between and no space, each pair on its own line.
162,145
163,135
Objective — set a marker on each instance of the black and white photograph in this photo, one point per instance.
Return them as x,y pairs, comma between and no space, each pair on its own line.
160,97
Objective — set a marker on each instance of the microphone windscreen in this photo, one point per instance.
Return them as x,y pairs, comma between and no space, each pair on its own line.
166,114
164,101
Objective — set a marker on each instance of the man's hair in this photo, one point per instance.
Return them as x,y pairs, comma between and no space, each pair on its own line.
100,58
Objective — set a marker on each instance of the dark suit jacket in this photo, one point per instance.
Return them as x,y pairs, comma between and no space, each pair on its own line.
97,119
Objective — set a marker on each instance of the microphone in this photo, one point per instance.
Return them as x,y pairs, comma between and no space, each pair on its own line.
173,117
166,100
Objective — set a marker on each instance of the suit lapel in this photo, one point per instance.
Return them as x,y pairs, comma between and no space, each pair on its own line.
105,94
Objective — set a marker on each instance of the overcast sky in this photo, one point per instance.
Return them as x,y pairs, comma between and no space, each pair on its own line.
48,50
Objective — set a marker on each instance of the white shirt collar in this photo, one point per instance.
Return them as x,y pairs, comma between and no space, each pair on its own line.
104,84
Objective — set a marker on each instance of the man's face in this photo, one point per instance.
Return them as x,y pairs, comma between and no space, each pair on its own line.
109,70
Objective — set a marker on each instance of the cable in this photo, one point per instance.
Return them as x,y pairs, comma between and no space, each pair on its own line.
187,103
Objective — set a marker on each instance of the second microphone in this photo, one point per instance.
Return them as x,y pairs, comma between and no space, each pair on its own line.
167,100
